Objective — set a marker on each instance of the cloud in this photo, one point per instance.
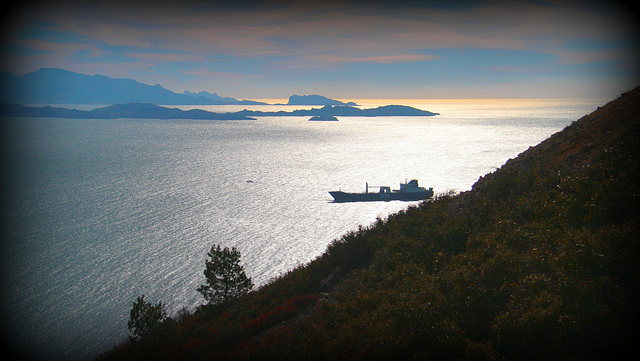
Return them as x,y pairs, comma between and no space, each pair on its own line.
264,39
166,57
377,30
333,60
55,48
205,73
404,58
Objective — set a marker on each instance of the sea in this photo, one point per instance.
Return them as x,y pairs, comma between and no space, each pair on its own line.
98,212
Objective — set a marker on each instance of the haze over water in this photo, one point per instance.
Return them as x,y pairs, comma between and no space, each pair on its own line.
98,212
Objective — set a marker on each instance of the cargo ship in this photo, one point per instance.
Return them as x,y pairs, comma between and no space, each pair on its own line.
409,191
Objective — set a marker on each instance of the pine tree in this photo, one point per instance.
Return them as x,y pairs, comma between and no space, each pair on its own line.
145,317
225,277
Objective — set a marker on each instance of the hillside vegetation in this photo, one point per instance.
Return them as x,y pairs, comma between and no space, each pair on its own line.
537,262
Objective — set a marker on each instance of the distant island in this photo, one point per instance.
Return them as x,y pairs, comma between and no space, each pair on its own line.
324,118
316,100
152,111
130,110
346,111
136,100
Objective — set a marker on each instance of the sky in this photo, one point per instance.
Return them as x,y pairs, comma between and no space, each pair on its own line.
341,49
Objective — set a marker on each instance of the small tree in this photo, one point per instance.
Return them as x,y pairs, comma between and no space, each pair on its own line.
145,317
225,277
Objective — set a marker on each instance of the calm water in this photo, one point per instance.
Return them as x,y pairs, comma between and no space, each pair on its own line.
97,212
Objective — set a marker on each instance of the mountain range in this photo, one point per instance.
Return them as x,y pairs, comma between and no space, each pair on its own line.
316,100
345,111
222,100
58,86
129,110
152,111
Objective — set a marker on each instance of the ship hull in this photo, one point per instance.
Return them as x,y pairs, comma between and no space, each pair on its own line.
339,196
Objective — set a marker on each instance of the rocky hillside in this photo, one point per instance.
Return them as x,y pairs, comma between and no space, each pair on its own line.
537,262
